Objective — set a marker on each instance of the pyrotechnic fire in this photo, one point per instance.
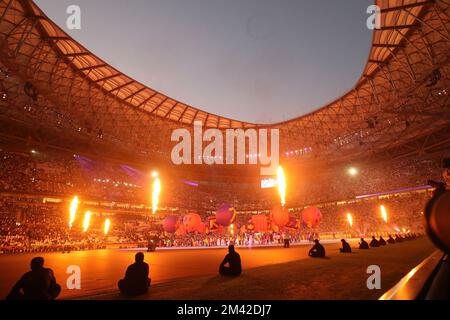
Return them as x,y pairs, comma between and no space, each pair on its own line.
73,211
87,220
384,213
281,185
155,193
106,227
350,219
232,229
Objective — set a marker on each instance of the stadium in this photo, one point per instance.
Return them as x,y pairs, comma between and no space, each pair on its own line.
87,175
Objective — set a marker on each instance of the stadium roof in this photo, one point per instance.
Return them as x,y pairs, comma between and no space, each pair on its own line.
112,81
401,97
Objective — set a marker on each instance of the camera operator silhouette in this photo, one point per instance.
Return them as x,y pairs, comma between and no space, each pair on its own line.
374,243
37,284
233,259
345,247
317,251
391,240
136,281
363,245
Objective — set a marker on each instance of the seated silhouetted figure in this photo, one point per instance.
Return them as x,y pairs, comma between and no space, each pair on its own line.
363,244
233,259
37,284
136,279
317,251
382,242
374,243
391,240
398,238
345,247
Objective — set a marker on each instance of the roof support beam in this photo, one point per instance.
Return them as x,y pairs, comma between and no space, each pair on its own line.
121,86
107,78
93,67
407,6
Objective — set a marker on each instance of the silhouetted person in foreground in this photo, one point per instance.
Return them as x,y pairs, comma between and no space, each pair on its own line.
391,240
374,243
37,284
233,259
317,251
398,238
382,242
363,244
345,247
136,281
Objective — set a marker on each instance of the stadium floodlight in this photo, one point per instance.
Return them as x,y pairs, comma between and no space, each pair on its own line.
353,171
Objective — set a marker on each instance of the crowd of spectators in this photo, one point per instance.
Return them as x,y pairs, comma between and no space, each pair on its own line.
30,226
403,212
27,223
39,173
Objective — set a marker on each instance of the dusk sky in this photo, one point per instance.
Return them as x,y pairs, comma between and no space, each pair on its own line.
252,60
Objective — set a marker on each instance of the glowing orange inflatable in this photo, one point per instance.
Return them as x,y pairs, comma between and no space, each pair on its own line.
192,222
259,223
226,215
170,224
280,216
311,217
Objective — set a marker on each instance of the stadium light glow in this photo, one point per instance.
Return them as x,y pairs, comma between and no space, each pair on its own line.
353,171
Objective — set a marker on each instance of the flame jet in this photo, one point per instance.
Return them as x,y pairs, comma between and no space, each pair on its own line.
281,181
156,190
384,214
106,227
73,211
350,219
87,221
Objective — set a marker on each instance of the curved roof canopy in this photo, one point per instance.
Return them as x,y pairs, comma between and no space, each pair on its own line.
120,85
402,90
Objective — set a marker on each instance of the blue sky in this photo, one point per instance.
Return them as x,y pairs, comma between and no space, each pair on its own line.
252,60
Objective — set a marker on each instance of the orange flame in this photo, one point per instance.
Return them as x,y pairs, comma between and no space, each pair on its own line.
384,214
106,227
281,181
73,211
156,190
350,219
87,220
